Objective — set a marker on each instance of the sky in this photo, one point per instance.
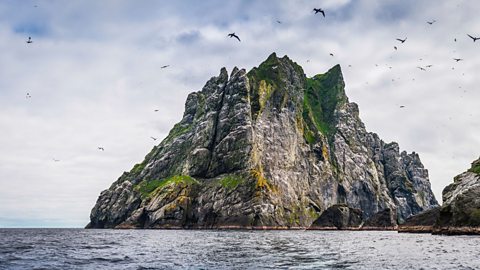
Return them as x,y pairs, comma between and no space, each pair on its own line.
94,78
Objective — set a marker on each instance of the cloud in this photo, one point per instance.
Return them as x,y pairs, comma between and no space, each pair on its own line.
94,75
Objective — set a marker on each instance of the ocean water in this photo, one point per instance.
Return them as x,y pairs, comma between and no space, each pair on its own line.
210,249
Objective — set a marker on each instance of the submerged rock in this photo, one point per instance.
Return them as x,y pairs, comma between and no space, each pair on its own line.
268,148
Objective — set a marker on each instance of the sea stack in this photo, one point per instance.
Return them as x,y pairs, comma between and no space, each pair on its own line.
269,149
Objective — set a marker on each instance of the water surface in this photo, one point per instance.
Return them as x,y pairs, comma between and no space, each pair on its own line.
199,249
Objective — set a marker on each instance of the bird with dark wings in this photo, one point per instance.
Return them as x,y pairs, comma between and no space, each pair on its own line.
473,38
233,35
402,40
319,10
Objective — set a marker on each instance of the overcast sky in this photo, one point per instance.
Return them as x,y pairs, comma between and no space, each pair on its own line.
94,76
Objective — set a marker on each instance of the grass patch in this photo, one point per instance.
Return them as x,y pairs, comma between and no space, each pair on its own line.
323,93
138,168
231,182
146,188
475,169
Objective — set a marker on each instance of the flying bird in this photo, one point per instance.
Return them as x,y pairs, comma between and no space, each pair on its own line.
401,106
164,66
233,35
458,59
421,68
29,40
402,40
156,110
101,148
455,39
331,54
28,95
319,10
279,22
153,138
429,66
432,22
395,47
474,38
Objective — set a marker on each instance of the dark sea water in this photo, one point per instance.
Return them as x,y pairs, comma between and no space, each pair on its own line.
175,249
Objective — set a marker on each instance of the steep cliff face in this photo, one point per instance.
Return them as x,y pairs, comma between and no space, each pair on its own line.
269,148
460,212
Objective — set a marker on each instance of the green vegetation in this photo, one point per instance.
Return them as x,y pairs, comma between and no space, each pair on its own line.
267,83
475,168
323,93
178,130
146,188
231,182
309,136
138,168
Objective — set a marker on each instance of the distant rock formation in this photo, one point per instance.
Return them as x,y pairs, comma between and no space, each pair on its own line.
460,212
268,148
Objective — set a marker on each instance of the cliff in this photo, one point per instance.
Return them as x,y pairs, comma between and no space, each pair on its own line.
460,212
268,148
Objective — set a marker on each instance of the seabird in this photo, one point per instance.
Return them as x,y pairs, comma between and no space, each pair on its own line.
474,38
458,59
402,40
319,10
29,40
233,35
101,148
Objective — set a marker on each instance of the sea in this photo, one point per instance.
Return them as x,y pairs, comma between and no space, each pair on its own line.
227,249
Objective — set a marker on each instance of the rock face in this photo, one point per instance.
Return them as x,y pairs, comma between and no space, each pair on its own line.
460,212
338,217
269,148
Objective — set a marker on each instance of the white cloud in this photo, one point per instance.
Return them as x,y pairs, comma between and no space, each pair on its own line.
94,75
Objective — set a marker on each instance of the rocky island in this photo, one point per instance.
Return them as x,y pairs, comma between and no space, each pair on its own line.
460,212
269,149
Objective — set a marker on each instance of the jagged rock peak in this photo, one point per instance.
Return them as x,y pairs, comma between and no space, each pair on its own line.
267,148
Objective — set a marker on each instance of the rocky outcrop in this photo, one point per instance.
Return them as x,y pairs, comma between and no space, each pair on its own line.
460,212
338,217
268,148
421,223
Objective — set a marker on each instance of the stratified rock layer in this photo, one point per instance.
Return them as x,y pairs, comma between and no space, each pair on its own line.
269,148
